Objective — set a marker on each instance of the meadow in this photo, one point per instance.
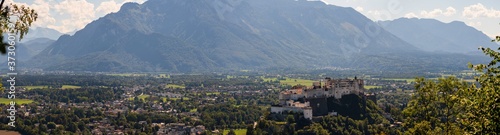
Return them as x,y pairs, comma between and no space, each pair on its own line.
141,97
34,87
175,86
237,131
408,80
18,101
295,81
174,99
64,87
70,87
367,87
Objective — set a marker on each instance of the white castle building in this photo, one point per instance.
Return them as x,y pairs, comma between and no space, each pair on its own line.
328,88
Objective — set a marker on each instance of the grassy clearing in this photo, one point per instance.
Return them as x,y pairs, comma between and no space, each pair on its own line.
175,86
367,87
45,87
237,131
281,123
213,93
469,80
70,87
141,97
18,101
35,87
174,99
294,81
268,79
401,79
399,90
193,110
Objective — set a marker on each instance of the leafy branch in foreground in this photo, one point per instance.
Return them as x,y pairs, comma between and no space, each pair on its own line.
451,106
482,104
15,19
434,107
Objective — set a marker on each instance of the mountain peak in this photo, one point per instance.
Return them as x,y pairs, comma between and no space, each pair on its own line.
130,6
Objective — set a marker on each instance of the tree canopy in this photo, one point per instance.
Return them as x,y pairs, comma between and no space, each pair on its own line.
452,106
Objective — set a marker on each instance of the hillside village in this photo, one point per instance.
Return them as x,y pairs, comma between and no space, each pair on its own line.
186,102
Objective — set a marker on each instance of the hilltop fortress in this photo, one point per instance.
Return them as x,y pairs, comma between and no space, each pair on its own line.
313,101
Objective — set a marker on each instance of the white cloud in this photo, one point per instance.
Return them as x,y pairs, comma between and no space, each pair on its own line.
479,10
411,15
42,8
136,1
81,13
438,12
379,15
492,36
108,7
474,24
359,9
71,14
450,11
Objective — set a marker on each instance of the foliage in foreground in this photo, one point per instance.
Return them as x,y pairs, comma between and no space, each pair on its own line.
15,19
451,106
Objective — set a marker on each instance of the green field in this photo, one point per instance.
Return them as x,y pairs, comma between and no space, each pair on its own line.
293,82
469,80
399,90
70,87
281,123
268,79
44,87
213,93
175,86
367,87
174,99
237,131
193,110
34,87
141,97
401,79
18,101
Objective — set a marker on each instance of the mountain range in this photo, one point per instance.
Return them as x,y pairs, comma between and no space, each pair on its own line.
435,36
41,32
215,35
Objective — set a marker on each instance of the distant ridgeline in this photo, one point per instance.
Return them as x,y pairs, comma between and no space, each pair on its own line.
334,96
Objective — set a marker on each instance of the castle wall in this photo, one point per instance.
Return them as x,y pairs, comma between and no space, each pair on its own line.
315,93
319,106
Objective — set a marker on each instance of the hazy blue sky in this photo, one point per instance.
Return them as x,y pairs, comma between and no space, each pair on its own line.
484,15
70,15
